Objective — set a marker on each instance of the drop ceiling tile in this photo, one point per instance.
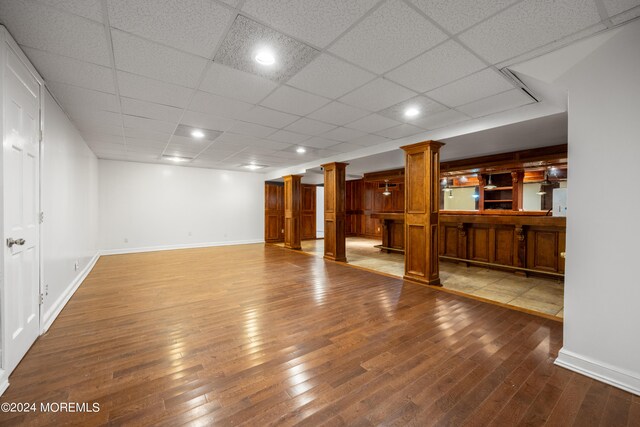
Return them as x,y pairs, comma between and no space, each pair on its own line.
149,135
343,134
316,22
373,123
459,15
134,122
56,68
494,104
294,101
330,77
378,94
156,144
288,137
338,113
252,129
268,117
317,142
439,66
144,88
400,131
345,147
73,96
194,118
309,127
626,16
106,147
247,37
476,86
194,26
135,107
214,154
98,137
424,105
91,9
88,118
528,25
369,140
41,27
183,149
184,133
441,119
232,83
146,58
391,35
208,103
85,128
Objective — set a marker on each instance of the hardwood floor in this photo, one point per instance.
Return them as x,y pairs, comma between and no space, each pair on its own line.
259,335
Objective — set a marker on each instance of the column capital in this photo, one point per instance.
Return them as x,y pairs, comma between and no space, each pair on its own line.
335,164
419,146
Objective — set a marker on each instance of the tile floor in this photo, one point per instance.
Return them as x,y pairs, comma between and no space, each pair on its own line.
533,293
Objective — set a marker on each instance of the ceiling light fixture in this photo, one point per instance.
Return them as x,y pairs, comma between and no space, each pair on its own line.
411,112
490,185
265,57
197,133
543,184
386,191
253,166
301,150
176,158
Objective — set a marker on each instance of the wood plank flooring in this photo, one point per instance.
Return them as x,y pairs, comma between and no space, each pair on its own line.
260,335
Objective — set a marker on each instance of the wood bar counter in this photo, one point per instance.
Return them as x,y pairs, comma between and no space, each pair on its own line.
392,231
528,242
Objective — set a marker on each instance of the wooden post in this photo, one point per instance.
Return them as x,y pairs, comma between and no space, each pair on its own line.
335,213
422,207
292,211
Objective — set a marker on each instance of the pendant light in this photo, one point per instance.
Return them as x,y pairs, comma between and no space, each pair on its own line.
490,185
386,191
544,184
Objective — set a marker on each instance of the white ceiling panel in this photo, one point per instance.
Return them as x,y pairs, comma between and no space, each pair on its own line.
294,101
86,128
439,66
150,110
206,121
316,22
208,103
91,9
141,123
56,68
134,86
246,38
146,58
98,137
369,140
194,26
236,84
318,142
343,134
149,135
615,7
345,147
443,118
268,117
494,104
373,123
378,94
156,145
252,129
391,35
41,27
330,77
70,96
288,137
338,113
97,118
400,131
422,104
528,25
459,15
476,86
309,127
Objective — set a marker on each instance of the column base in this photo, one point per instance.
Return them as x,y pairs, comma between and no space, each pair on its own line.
297,248
422,280
330,258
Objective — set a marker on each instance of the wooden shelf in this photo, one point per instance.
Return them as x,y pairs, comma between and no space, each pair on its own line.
498,189
498,201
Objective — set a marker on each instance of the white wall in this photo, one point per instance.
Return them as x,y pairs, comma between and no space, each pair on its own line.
69,200
150,206
530,200
320,212
602,286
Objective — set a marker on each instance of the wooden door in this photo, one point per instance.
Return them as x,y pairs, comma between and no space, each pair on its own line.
273,212
308,211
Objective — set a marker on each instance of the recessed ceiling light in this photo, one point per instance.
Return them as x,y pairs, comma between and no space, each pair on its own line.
197,133
253,166
265,57
175,158
411,112
301,150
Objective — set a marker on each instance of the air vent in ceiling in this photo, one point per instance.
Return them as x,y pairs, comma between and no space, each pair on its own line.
519,83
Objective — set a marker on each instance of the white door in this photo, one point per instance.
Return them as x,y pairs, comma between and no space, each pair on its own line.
21,124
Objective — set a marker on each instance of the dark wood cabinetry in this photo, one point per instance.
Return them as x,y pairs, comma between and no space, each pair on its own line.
365,198
507,195
273,212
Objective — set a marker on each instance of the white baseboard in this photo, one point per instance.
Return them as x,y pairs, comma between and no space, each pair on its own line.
4,381
174,247
620,378
58,305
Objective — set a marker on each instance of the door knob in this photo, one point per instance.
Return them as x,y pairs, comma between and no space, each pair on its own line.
11,242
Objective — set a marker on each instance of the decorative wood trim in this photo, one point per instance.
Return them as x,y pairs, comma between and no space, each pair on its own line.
335,212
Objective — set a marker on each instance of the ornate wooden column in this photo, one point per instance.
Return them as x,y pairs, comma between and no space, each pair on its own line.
335,212
292,211
422,207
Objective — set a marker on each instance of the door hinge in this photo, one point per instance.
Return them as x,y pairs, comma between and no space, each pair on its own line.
41,217
41,299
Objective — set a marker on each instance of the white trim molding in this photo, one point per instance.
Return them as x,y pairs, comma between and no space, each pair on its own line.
620,378
174,247
4,381
50,316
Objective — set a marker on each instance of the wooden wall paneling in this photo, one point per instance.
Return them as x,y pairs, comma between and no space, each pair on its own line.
543,249
335,211
503,246
273,212
517,180
479,242
422,205
292,211
308,211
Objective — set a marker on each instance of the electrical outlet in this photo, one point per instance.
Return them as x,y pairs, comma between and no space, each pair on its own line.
76,265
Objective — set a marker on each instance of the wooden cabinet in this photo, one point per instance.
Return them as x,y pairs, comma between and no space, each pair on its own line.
507,195
364,198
